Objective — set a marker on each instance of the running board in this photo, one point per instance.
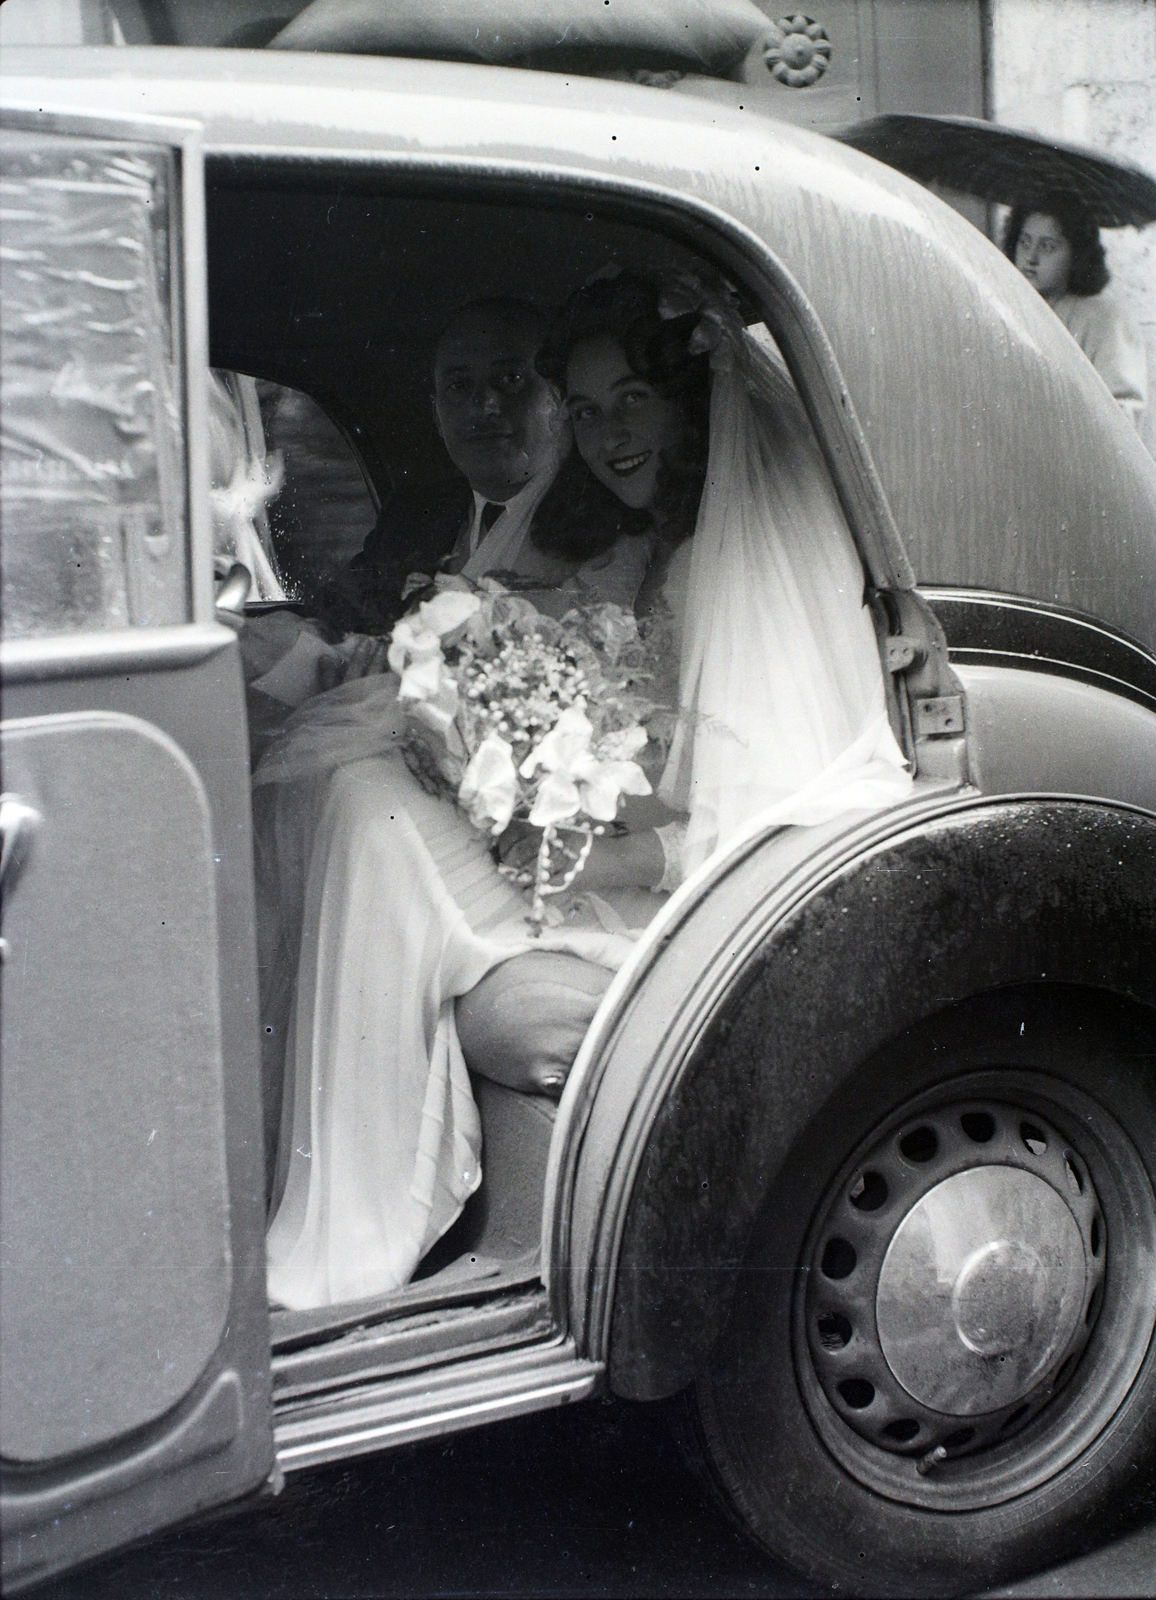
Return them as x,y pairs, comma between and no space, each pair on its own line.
426,1405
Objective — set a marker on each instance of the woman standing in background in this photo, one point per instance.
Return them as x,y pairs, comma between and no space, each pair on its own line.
1057,247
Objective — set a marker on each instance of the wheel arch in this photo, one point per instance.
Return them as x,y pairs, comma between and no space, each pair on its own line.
979,896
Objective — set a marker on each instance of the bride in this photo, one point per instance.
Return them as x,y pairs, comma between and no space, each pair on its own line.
398,953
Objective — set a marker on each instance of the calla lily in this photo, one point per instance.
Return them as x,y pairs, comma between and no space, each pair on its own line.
416,656
415,646
577,779
489,789
557,800
567,741
603,783
447,611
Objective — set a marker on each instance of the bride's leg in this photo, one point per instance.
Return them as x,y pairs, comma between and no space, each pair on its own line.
523,1023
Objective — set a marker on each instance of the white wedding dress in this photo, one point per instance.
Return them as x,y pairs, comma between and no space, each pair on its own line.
380,904
400,910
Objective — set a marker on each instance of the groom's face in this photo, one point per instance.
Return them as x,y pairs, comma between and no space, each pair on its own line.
499,419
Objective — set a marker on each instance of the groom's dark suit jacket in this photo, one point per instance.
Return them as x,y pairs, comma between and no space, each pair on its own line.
418,527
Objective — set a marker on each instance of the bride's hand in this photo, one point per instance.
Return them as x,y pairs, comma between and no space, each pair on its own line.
616,861
365,656
518,848
517,851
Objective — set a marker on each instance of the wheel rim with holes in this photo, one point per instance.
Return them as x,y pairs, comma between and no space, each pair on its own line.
972,1309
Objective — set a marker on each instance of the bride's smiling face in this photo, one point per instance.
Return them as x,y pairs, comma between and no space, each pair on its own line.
622,423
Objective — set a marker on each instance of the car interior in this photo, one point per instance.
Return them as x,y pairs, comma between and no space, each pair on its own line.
335,290
331,292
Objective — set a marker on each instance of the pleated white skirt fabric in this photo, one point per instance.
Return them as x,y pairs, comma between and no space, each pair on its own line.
401,911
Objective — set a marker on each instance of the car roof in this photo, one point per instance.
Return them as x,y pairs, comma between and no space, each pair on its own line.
1006,462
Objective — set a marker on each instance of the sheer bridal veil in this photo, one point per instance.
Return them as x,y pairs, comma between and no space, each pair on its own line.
783,715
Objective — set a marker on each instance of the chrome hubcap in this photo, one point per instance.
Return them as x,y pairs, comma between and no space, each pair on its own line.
982,1283
954,1280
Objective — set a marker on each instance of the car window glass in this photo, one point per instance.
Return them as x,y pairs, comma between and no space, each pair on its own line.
93,486
324,510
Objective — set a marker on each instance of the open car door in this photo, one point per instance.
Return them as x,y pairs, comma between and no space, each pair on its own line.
134,1348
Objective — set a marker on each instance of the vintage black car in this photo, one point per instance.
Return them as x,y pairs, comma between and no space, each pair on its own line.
831,1050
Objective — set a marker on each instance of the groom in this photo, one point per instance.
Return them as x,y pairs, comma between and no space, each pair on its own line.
506,433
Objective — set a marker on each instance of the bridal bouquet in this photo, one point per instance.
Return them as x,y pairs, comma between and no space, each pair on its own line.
517,715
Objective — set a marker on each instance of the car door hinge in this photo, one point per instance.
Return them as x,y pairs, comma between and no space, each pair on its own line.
902,653
937,716
925,697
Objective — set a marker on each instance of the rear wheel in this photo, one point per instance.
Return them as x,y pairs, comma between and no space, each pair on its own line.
939,1367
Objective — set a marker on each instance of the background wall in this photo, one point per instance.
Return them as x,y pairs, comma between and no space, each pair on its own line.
1085,70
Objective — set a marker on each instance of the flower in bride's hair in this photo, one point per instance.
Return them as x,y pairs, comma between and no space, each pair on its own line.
489,789
707,335
715,302
580,777
680,295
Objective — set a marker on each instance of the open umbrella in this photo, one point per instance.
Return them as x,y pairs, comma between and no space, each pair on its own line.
1000,165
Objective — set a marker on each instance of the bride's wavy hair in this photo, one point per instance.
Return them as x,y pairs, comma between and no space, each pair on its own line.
579,517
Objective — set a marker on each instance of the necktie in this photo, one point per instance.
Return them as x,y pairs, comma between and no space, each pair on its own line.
491,511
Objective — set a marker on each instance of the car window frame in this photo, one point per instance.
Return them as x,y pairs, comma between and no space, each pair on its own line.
809,355
185,136
347,433
685,218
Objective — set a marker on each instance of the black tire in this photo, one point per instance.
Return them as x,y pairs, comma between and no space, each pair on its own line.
813,1483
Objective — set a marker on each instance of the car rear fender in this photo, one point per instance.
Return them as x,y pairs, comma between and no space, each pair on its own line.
1031,729
779,981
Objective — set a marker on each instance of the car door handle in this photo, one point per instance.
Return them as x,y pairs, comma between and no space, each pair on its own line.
234,590
18,822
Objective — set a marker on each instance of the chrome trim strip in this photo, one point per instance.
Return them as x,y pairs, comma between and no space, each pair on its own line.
98,654
983,627
1057,666
998,601
195,300
86,123
424,1406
